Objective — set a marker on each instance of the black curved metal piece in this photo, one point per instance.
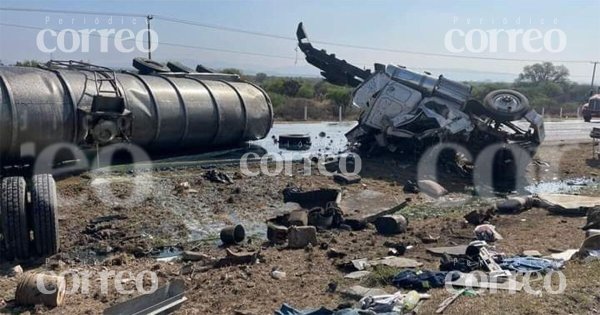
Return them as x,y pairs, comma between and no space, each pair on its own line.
334,70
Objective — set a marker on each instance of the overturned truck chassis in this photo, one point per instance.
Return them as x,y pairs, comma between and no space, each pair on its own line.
404,111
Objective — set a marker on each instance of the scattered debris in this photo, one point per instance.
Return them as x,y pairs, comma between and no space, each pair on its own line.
565,255
277,234
196,256
432,188
593,218
515,204
477,217
532,253
240,258
301,236
479,249
357,274
29,293
346,179
469,280
411,187
358,292
590,248
311,199
442,307
426,238
420,279
184,187
568,205
277,274
233,234
448,250
298,218
334,253
164,300
218,177
397,262
108,218
295,141
530,264
15,271
391,224
487,232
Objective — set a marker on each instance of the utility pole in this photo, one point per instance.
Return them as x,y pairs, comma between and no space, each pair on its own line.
594,74
148,18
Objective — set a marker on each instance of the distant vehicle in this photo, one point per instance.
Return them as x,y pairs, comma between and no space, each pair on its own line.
591,108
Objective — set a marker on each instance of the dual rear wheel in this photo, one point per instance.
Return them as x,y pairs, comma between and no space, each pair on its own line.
28,216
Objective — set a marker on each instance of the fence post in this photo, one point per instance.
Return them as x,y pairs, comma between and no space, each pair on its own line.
561,112
340,114
305,113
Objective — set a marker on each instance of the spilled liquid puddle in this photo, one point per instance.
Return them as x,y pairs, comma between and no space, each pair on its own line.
566,186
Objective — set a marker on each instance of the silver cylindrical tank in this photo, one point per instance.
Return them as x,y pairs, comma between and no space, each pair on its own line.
169,111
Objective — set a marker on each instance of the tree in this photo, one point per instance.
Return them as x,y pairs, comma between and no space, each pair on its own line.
260,77
27,63
291,87
339,95
544,72
232,71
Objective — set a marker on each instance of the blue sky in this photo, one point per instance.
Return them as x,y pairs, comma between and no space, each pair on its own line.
393,24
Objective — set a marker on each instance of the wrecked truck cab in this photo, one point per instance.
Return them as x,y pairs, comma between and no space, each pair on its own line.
402,109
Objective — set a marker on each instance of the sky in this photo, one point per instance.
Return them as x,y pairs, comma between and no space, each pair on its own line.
397,31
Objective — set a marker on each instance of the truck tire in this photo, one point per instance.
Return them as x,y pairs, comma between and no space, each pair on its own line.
587,118
43,211
147,66
14,218
294,141
506,105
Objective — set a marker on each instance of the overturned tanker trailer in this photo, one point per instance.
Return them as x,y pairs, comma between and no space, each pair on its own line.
405,111
158,108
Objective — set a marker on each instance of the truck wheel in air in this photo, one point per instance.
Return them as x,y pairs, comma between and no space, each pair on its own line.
506,105
15,244
43,211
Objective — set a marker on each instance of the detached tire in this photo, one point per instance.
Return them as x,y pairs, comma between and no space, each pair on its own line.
44,215
506,105
295,141
14,218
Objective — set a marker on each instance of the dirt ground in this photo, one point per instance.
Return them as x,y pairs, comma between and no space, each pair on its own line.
165,216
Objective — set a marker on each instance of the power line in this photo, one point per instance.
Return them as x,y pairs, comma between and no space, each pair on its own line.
282,37
170,44
72,12
276,56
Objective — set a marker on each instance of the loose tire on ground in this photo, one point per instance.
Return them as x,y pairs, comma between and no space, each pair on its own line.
43,211
294,141
14,218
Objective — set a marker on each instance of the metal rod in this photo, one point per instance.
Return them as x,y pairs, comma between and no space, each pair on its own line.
148,18
594,74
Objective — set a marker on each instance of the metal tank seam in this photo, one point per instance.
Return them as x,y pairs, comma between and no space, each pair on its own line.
244,108
182,103
74,106
13,113
215,105
155,104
